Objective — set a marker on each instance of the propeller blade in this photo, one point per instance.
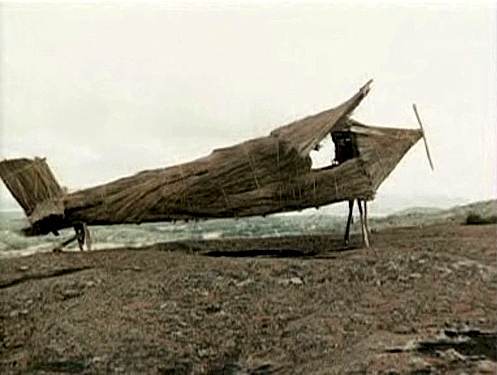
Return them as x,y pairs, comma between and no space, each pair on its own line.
424,136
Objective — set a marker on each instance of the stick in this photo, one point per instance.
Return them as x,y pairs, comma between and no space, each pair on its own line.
87,237
65,243
80,234
349,221
366,216
363,224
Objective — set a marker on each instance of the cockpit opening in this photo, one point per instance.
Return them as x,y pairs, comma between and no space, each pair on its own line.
334,150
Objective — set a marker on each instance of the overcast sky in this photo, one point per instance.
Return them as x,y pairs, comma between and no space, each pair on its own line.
105,90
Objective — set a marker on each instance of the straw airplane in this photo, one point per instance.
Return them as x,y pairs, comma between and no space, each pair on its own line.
261,176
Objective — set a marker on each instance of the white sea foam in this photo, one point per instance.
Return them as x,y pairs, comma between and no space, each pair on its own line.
212,235
13,244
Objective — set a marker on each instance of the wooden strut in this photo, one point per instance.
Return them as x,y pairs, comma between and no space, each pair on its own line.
364,221
82,235
349,221
364,230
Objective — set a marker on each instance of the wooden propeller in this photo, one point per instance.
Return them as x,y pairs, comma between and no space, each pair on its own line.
424,136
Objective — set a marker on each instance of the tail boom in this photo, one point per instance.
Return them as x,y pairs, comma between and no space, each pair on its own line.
34,187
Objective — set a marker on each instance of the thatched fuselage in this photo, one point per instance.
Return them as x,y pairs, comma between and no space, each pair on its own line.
257,177
227,183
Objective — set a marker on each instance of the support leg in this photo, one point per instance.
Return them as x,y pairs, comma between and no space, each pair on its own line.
365,236
59,248
366,217
349,221
82,235
87,237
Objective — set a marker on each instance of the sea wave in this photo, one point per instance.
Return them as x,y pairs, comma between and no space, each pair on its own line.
13,243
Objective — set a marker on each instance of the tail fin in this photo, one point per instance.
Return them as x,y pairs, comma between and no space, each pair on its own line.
34,187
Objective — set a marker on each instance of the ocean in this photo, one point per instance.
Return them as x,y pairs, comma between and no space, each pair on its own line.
14,244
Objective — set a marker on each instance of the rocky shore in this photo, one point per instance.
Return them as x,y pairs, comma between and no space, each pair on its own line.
422,300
